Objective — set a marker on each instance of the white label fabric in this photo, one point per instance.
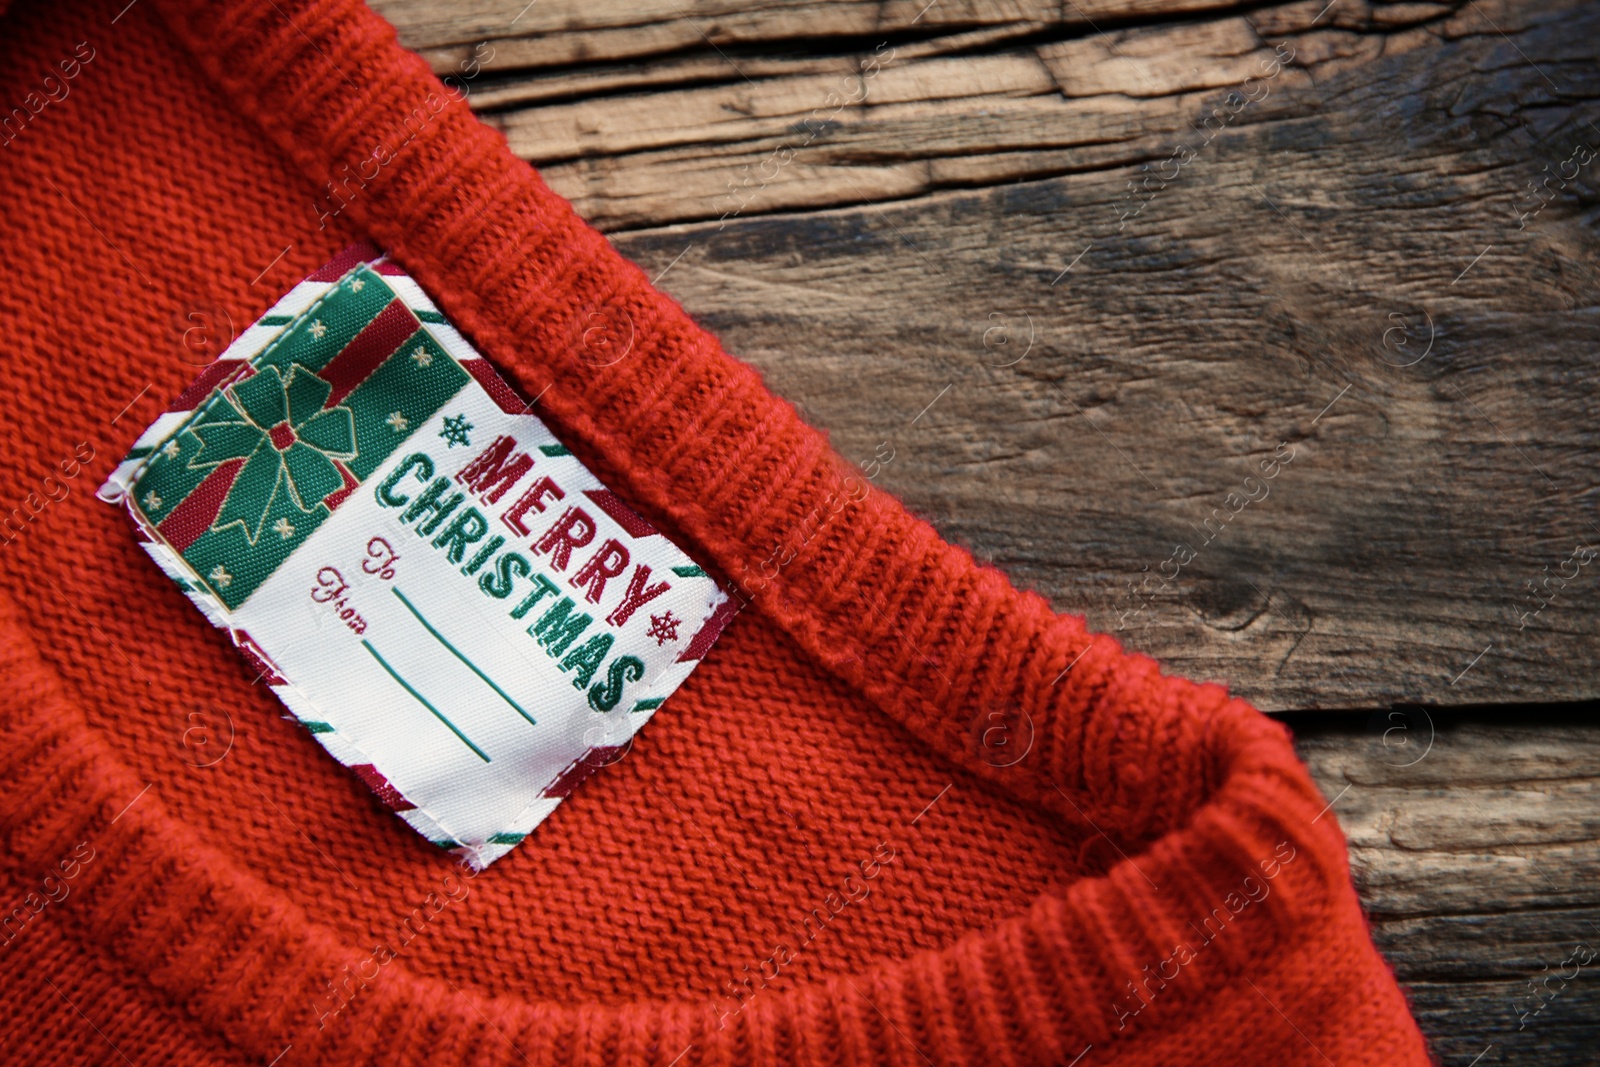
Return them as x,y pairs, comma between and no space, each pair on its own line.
440,592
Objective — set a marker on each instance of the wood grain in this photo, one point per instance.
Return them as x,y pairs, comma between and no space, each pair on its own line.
1474,843
552,33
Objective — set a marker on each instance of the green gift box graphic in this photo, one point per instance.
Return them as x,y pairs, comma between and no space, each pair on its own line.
289,443
277,442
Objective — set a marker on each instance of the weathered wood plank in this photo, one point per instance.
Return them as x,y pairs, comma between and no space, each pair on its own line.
1475,844
553,33
698,135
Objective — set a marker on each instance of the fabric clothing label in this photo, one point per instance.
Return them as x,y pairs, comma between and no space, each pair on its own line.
441,593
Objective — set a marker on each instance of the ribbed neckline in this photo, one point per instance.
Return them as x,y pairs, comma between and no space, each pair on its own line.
1195,785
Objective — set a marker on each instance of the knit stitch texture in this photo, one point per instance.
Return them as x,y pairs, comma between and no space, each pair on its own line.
808,857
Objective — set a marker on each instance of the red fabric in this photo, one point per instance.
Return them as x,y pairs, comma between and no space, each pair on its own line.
814,806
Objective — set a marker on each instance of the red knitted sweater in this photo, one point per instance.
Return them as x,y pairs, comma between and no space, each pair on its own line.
809,857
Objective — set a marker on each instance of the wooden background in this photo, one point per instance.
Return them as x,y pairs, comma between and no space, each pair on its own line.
1083,267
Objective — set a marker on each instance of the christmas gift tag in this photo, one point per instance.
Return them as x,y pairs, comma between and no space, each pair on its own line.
452,604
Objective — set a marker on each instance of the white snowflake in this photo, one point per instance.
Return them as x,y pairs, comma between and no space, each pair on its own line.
283,528
397,421
318,329
151,501
220,577
171,449
422,356
356,285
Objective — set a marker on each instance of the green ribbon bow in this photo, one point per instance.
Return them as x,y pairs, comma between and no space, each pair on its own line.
290,440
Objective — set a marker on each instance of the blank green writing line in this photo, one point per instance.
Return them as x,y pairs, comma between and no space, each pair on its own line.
421,700
457,652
